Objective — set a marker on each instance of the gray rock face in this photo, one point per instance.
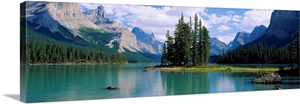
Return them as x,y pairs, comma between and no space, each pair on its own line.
268,78
123,36
243,38
240,39
147,42
256,32
53,15
217,46
282,25
98,16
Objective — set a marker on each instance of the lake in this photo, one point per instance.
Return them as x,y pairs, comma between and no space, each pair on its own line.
81,82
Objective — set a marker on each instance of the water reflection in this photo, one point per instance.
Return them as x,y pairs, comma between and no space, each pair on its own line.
185,83
75,82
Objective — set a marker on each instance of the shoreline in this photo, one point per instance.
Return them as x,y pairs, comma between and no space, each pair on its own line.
209,69
71,64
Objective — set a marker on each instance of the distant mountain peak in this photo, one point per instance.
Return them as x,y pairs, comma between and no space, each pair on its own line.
256,33
240,39
98,15
146,41
283,24
217,46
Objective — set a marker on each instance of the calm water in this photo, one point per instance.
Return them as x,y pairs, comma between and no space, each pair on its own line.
76,82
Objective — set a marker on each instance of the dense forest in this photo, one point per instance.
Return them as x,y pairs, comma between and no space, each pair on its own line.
39,52
189,46
262,54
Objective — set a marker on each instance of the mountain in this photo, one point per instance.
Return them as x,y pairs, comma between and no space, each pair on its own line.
243,38
240,39
229,44
123,36
256,33
56,15
283,25
65,24
217,46
147,42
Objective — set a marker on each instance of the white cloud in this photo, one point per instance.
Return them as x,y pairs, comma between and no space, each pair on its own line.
224,28
236,18
226,38
214,19
253,18
151,19
89,5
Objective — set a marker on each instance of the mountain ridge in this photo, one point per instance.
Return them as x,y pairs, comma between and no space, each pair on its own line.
65,22
217,46
147,42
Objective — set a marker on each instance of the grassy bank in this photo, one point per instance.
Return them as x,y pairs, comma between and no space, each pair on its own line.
72,63
212,68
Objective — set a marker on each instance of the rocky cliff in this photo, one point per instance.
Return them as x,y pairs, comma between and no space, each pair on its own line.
257,32
283,25
243,38
56,16
147,42
52,15
123,36
217,46
240,39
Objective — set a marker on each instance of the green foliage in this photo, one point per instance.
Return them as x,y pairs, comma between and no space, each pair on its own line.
256,54
292,53
42,52
164,55
188,47
91,35
195,55
206,45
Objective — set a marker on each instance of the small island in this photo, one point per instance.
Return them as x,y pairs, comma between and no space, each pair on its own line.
189,50
211,68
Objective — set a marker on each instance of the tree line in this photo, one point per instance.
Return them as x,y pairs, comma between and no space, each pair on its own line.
262,54
42,52
189,46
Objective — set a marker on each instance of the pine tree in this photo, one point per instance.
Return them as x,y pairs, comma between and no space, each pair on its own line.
292,52
170,49
179,42
164,55
200,44
195,55
206,45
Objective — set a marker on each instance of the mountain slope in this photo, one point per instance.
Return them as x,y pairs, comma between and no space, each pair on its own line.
52,15
256,33
243,38
240,39
147,42
64,23
216,46
283,25
123,36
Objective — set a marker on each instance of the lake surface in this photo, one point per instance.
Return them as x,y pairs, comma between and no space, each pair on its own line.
81,82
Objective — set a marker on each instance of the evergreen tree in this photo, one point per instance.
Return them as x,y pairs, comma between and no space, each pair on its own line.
170,49
200,44
179,42
206,45
195,55
292,52
188,46
164,55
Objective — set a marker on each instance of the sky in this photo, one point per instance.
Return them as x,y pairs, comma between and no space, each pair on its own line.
222,23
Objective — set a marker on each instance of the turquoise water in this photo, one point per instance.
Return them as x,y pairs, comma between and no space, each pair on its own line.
81,82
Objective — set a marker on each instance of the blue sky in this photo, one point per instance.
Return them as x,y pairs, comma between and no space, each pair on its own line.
222,23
